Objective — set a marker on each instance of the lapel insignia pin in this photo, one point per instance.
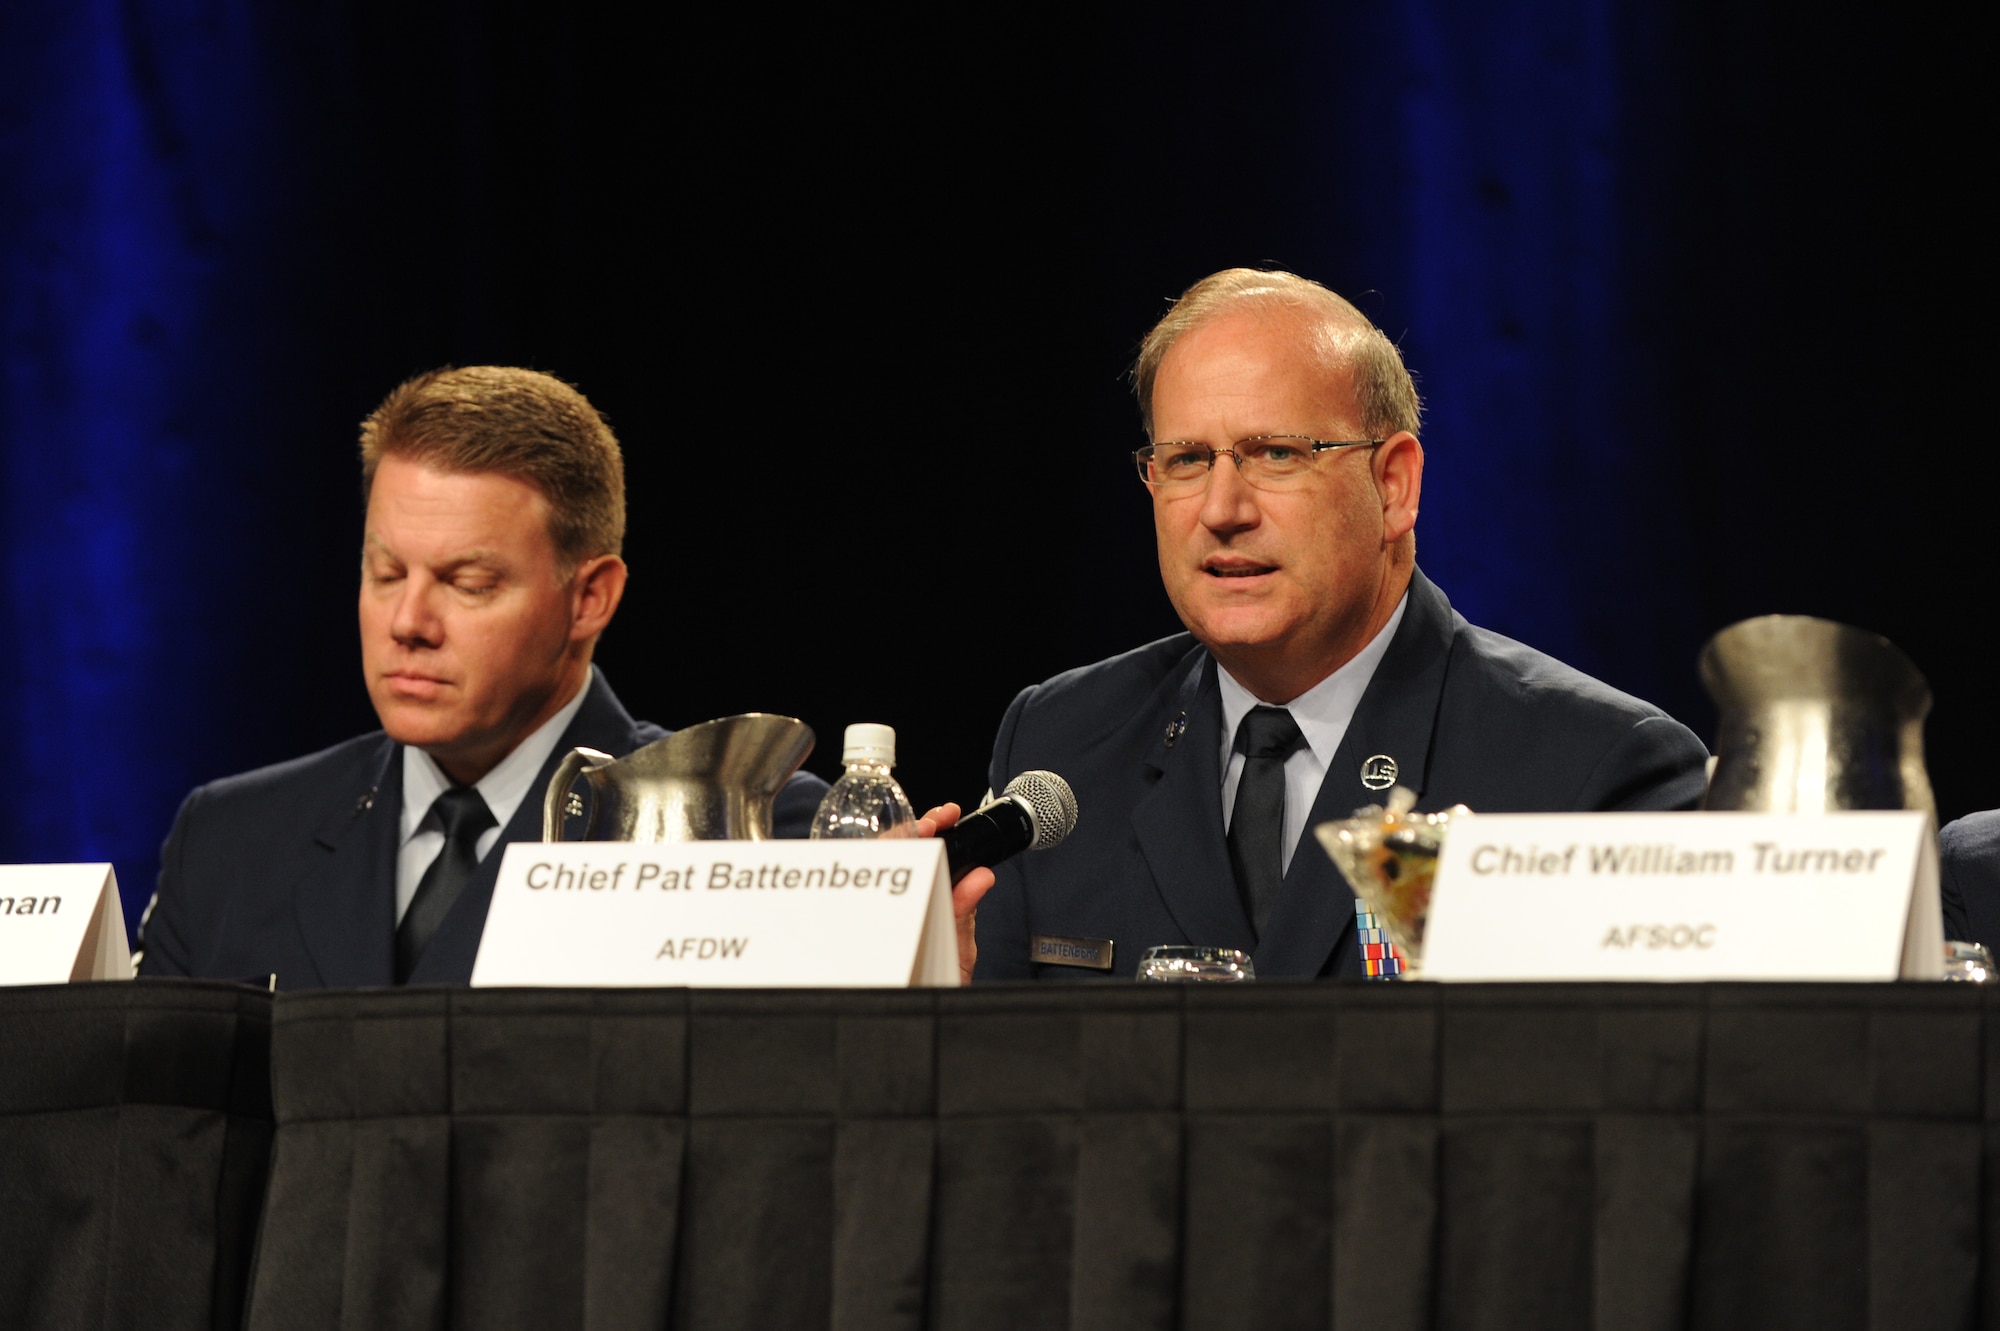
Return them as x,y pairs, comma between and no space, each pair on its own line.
1379,772
1176,728
366,802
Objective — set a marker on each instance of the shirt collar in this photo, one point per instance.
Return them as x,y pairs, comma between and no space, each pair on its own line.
1323,711
504,787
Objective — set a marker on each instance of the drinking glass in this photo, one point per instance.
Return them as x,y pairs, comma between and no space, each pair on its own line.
1181,964
1967,961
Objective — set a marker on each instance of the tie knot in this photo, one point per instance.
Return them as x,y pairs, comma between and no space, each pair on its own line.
1268,732
462,813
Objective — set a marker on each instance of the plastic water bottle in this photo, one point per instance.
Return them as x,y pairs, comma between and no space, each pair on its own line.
866,801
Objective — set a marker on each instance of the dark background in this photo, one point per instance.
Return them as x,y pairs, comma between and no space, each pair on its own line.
1691,291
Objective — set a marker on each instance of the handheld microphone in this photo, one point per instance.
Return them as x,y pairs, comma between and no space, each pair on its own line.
1034,812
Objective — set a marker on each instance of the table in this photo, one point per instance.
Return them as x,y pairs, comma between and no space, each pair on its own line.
135,1127
1628,1156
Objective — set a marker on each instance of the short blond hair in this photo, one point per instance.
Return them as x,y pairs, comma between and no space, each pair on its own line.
519,423
1385,395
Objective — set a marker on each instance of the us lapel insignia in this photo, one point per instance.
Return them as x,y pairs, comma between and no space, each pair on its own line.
366,802
1379,772
1176,728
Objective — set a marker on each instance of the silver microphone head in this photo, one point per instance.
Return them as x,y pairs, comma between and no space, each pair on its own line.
1051,804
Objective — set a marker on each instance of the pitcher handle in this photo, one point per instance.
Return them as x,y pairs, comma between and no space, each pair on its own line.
577,762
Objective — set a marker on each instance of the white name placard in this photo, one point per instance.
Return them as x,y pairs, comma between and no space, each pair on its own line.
1687,896
721,914
61,922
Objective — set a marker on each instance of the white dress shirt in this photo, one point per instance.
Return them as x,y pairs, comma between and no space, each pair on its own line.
1323,713
503,789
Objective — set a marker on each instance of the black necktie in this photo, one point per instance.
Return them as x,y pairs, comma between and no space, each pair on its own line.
1257,825
463,815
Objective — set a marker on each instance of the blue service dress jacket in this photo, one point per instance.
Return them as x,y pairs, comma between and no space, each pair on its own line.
291,870
1969,878
1467,716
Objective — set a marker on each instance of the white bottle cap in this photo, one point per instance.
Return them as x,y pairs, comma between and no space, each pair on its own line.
866,742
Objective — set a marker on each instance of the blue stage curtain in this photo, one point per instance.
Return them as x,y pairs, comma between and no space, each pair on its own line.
156,512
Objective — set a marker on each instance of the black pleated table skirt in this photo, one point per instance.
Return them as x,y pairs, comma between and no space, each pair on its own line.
135,1127
1269,1156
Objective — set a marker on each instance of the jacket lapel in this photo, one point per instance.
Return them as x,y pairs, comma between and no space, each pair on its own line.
601,723
346,904
1313,919
1179,822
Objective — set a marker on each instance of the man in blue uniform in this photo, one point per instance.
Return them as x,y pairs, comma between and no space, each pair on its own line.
1320,667
490,565
1969,865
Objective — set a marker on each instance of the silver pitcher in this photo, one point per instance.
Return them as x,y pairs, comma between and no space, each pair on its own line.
711,782
1815,717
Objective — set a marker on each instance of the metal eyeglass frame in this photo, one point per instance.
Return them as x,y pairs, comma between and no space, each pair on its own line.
1142,456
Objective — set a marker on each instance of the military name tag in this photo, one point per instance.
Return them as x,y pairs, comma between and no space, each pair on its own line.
1049,950
1686,896
724,914
61,922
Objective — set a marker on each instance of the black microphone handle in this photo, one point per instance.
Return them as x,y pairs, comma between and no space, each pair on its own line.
987,836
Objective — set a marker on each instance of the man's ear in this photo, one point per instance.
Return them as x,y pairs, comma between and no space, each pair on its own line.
595,590
1399,480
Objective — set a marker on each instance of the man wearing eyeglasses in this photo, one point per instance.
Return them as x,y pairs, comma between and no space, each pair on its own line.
1320,668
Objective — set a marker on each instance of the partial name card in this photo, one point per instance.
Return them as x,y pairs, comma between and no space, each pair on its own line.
61,922
1687,896
724,914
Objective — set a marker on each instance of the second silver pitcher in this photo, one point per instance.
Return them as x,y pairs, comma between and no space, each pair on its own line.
1815,717
711,782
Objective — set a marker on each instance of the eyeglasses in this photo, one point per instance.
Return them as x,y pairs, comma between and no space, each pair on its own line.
1266,461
